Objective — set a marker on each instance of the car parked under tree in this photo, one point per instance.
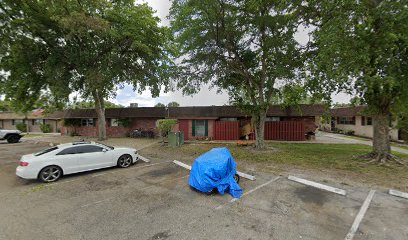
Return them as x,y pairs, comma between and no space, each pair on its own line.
52,163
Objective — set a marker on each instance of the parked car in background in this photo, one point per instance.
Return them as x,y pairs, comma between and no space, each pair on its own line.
12,136
52,163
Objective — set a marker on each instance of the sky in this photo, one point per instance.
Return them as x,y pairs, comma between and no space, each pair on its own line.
205,97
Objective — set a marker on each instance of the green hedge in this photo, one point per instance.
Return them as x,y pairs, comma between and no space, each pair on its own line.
45,128
22,127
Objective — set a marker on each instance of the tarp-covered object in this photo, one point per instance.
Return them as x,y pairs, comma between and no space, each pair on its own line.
215,169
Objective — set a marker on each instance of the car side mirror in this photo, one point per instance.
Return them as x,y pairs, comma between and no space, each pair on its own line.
104,150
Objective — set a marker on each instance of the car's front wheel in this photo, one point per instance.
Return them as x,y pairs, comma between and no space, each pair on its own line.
50,174
13,139
125,161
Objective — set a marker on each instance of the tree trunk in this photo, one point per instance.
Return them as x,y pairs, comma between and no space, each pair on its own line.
258,122
26,122
100,112
381,140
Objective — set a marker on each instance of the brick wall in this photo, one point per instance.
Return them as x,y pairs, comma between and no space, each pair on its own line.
114,131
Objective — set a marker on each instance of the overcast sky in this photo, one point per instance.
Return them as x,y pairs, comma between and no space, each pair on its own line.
204,98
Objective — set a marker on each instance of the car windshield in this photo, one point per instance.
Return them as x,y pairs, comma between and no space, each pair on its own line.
110,147
46,151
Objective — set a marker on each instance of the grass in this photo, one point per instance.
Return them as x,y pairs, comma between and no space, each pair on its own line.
30,135
403,146
337,159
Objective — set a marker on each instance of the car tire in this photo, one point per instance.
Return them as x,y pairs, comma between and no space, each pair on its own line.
50,174
125,161
13,139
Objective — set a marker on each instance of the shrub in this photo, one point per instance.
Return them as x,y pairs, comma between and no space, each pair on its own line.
164,126
45,128
350,132
22,127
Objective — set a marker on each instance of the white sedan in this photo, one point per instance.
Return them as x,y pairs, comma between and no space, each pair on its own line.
50,164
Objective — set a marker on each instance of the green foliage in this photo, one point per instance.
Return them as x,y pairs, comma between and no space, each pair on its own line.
72,122
173,104
89,104
247,48
45,128
89,47
5,106
349,132
165,126
360,46
159,105
22,127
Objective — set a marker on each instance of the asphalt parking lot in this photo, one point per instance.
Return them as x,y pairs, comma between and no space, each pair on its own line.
153,201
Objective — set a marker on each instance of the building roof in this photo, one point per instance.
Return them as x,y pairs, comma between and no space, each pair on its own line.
139,112
232,111
349,111
16,116
189,112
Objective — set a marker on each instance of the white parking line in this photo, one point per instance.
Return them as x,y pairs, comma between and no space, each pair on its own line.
398,193
360,215
248,192
318,185
241,174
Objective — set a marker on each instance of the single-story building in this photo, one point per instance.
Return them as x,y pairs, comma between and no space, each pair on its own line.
356,121
9,120
207,122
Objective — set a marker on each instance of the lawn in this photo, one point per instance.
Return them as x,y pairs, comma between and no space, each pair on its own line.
339,160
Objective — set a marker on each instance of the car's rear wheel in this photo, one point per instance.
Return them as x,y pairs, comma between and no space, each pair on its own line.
125,161
13,139
50,174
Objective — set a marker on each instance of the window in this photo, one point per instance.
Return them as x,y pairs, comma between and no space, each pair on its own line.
114,122
38,121
81,149
228,119
369,121
87,122
17,121
46,151
200,128
346,120
272,119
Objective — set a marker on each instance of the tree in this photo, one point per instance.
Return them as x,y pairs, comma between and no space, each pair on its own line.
362,46
89,104
245,47
173,104
159,105
165,126
89,47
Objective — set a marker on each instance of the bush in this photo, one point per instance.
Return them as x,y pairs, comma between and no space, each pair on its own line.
22,127
45,128
350,132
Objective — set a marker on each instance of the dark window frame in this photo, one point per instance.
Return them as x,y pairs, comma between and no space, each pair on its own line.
347,120
194,128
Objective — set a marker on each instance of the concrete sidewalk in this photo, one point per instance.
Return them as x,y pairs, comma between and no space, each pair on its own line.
356,141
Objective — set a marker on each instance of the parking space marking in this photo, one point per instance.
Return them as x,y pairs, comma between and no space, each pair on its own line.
318,185
241,174
398,193
360,215
248,192
144,159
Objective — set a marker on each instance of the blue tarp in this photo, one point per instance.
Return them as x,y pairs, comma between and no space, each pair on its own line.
215,169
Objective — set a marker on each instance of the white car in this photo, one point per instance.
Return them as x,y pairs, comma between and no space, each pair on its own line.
52,163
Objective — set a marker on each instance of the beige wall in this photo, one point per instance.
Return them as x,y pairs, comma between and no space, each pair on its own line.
359,130
7,124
